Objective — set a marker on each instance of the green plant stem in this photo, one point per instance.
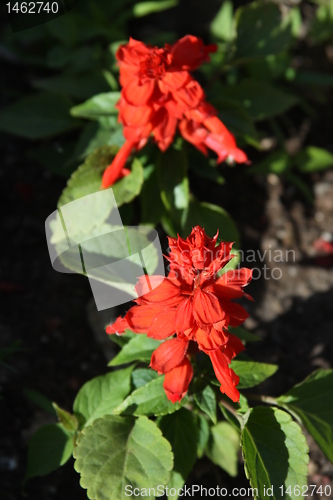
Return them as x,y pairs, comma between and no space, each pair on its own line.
264,399
228,407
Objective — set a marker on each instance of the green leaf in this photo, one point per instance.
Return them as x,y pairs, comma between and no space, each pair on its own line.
148,400
180,430
206,400
312,401
243,334
150,197
130,186
260,31
142,376
312,159
49,448
139,348
237,119
203,434
223,25
145,8
277,163
105,244
314,78
38,116
117,452
122,339
101,395
40,400
261,100
321,28
275,453
101,132
79,85
97,106
252,373
67,420
223,447
173,181
87,179
211,218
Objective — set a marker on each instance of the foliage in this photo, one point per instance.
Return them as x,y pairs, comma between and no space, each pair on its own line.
123,430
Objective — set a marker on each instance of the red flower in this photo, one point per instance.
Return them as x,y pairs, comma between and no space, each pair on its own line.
194,304
158,93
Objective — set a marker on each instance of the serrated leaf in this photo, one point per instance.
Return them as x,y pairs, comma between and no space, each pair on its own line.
261,100
223,447
206,400
97,106
312,401
118,452
149,400
313,159
101,395
180,430
243,334
252,373
142,376
275,452
139,348
260,31
38,116
66,419
87,179
49,448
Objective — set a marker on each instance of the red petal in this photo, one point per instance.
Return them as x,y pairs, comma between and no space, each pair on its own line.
237,314
166,292
238,277
206,308
140,318
225,375
176,381
227,292
173,80
233,347
184,316
136,94
169,355
113,171
119,326
163,325
134,116
189,52
210,340
190,96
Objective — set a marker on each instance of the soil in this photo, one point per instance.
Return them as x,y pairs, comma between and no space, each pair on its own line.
53,317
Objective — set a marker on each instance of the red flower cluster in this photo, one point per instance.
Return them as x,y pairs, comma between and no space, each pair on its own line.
158,93
193,306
